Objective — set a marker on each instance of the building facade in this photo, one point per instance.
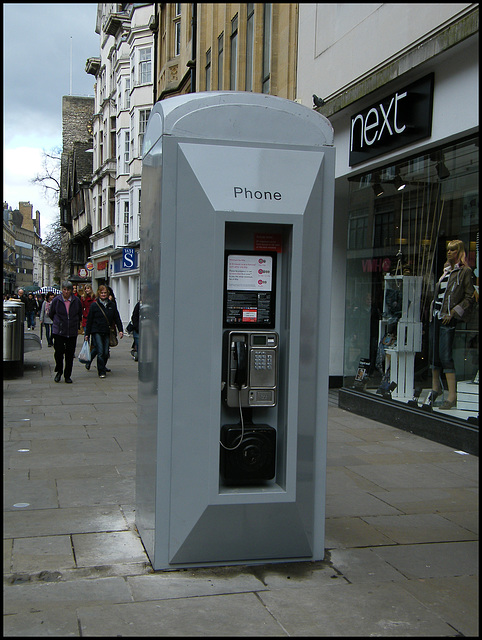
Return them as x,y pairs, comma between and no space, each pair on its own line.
405,115
75,179
123,99
9,266
26,230
225,47
27,262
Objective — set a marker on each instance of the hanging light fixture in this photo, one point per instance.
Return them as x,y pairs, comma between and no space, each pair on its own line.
442,170
398,182
440,166
376,186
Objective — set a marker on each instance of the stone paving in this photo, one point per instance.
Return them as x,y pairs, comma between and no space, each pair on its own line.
401,529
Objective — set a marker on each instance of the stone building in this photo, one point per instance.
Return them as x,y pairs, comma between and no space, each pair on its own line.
75,178
9,267
123,99
226,46
25,229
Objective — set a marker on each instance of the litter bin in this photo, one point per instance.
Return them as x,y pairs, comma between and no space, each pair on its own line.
13,339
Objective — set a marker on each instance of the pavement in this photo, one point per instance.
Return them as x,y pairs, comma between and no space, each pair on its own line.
401,529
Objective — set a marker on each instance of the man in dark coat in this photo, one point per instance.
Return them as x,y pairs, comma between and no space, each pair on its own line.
66,313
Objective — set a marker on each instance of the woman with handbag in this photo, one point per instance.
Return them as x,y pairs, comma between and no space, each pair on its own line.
102,319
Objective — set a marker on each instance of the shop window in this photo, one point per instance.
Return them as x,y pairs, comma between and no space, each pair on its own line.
398,234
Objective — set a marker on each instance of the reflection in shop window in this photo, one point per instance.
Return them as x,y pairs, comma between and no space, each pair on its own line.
397,249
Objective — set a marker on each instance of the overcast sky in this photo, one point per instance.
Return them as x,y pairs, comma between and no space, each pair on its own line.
37,43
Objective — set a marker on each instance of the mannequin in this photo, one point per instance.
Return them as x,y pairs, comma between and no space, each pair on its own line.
453,298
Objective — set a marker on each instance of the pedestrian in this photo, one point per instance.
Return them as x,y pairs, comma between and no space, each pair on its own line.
20,296
135,331
45,319
111,294
103,314
74,291
87,298
31,310
66,313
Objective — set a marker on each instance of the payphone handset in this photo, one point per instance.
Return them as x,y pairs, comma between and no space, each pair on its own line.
252,368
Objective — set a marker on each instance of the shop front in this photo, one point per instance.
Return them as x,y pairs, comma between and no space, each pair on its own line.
410,190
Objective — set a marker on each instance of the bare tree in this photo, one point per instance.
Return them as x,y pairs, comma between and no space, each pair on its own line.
56,242
56,239
49,177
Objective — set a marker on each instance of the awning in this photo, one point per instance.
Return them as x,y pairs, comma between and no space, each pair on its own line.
47,290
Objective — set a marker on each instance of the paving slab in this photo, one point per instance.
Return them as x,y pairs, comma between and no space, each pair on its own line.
233,615
453,599
40,596
46,522
342,533
353,610
96,490
421,528
37,494
114,547
357,503
435,560
47,553
398,476
164,586
433,499
359,566
56,621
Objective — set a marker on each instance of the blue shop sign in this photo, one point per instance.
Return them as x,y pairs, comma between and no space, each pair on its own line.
128,261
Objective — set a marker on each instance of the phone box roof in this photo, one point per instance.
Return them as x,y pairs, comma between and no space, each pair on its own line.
238,116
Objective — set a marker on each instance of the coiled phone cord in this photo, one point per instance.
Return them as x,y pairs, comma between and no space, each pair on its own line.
242,427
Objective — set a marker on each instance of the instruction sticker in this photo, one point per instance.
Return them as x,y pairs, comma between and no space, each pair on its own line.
249,273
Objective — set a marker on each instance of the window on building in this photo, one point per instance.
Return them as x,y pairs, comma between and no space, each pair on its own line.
119,153
102,85
101,148
119,94
132,135
177,28
143,118
123,151
112,206
220,60
266,48
126,222
126,152
139,213
234,54
127,93
133,69
113,135
131,215
208,70
145,65
99,212
249,46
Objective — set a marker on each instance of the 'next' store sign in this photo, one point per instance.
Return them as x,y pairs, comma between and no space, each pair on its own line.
400,119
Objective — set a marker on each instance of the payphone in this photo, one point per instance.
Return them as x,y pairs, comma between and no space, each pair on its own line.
233,301
251,372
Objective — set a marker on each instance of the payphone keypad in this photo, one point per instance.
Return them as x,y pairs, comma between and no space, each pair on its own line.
263,360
